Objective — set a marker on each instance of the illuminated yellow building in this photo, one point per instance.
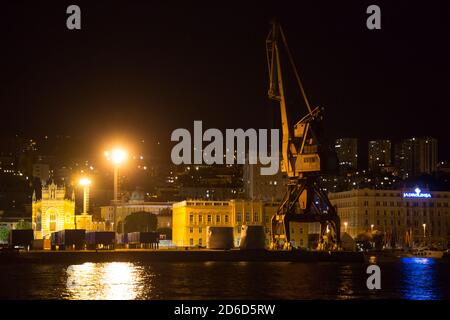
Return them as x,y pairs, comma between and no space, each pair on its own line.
191,218
84,221
53,212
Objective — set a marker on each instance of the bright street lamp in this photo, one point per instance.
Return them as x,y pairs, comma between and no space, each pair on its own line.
424,229
85,182
345,226
371,227
117,156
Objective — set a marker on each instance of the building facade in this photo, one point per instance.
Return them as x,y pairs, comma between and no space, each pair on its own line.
416,156
425,155
53,212
421,216
41,171
161,209
191,218
347,152
208,193
404,157
268,188
379,154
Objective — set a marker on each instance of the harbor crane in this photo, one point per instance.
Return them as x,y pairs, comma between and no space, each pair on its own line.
304,158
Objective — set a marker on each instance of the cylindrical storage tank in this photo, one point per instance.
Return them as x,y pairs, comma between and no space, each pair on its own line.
219,238
252,237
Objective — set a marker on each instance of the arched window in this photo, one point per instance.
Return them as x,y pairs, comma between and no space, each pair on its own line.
39,220
52,218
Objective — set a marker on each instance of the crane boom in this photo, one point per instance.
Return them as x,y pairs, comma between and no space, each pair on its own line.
276,91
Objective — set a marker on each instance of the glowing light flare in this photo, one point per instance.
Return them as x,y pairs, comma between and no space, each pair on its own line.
117,156
85,181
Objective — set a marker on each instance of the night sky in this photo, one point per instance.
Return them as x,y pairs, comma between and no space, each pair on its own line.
140,69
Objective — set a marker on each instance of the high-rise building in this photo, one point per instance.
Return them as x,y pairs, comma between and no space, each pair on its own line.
379,154
347,152
263,187
425,155
416,156
403,157
41,171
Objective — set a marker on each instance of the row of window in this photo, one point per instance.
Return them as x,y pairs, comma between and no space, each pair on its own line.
247,217
191,230
200,242
293,230
398,204
226,218
398,195
209,218
218,203
392,213
416,223
238,230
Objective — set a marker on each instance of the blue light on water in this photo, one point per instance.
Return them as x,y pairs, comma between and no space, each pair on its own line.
419,279
418,261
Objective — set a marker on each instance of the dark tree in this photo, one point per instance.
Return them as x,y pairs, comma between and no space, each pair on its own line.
140,221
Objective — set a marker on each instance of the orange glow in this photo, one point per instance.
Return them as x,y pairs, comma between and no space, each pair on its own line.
117,156
85,181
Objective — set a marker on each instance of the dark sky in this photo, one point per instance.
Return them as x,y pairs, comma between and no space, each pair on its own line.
145,68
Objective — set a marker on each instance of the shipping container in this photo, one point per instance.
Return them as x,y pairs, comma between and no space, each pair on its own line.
41,244
143,240
21,238
70,239
100,240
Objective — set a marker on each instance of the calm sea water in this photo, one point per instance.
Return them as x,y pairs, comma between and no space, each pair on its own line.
408,278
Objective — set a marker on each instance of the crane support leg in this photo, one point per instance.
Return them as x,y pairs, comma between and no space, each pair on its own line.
305,202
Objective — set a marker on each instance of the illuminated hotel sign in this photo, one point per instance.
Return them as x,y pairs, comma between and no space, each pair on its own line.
418,194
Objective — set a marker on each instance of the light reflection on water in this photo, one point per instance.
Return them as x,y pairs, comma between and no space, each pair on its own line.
409,278
419,279
105,281
120,280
